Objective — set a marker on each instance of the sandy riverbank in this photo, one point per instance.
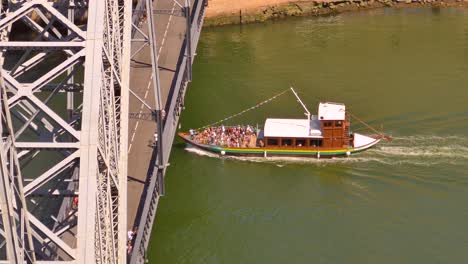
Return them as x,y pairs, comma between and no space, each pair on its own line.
226,12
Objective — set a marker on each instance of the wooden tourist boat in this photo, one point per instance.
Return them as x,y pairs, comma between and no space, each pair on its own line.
324,135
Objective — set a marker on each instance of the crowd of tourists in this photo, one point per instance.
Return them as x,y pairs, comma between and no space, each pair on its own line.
131,234
234,136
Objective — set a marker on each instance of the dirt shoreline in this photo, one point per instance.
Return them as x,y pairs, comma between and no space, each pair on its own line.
229,12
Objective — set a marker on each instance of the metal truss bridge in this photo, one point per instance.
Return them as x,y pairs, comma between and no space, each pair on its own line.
90,97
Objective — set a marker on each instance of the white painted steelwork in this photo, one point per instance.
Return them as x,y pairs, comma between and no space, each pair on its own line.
73,205
69,154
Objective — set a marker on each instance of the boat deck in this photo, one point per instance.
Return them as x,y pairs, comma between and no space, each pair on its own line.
252,149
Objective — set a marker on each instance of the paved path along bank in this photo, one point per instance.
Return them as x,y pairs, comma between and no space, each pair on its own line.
227,12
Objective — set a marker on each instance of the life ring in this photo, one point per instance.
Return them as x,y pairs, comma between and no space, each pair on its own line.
223,152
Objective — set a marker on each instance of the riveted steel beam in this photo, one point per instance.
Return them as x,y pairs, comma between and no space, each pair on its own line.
78,146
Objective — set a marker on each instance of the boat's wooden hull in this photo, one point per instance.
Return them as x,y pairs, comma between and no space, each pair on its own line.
278,152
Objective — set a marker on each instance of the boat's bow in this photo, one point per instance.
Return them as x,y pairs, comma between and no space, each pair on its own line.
362,142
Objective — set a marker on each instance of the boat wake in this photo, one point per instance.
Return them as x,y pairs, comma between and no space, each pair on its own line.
423,150
413,150
275,160
201,152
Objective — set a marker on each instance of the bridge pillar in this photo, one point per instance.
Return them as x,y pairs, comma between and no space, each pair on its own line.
71,160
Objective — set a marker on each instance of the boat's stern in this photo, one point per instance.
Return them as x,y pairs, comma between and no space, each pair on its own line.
185,136
362,142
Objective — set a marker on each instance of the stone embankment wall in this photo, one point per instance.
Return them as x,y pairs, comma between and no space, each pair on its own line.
226,12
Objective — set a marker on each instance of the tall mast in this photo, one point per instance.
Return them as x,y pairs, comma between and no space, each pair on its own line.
307,113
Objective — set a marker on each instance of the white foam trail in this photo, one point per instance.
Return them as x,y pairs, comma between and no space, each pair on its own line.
428,152
281,161
430,147
201,152
430,137
431,140
424,150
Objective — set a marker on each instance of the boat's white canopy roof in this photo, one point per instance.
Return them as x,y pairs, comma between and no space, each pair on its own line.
292,128
331,111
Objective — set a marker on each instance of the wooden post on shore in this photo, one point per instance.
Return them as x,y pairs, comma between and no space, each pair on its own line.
240,16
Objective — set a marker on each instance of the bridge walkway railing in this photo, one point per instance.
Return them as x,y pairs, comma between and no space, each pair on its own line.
155,184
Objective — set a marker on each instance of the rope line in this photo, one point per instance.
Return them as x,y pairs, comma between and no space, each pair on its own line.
278,95
389,138
245,111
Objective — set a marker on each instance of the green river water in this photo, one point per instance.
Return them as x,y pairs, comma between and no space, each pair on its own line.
402,202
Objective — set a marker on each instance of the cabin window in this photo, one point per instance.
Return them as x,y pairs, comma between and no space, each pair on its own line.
327,124
300,142
286,142
338,124
316,143
272,142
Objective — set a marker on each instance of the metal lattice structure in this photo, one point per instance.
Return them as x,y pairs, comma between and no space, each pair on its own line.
64,110
71,207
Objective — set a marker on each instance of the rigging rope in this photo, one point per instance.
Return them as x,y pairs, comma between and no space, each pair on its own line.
389,138
246,110
273,98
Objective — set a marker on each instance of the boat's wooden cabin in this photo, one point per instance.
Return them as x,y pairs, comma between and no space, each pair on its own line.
335,125
330,129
